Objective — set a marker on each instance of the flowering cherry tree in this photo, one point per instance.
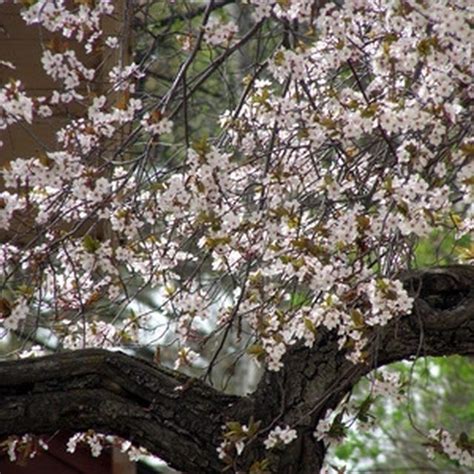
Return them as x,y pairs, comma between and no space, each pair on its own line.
286,239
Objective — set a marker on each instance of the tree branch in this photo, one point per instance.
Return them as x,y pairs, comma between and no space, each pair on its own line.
189,15
314,380
114,393
180,418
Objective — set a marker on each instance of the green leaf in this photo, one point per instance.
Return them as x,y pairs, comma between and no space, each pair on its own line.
90,244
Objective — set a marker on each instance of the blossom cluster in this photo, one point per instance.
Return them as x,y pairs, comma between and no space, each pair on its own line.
289,10
460,450
156,127
23,447
333,426
28,446
18,314
97,442
280,435
387,384
236,436
330,429
82,24
16,106
217,33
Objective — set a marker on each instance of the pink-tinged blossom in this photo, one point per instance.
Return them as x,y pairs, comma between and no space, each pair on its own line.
327,429
82,24
388,299
280,435
19,313
156,127
15,105
66,68
452,448
217,33
123,78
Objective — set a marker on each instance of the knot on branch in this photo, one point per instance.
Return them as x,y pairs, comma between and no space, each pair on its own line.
442,289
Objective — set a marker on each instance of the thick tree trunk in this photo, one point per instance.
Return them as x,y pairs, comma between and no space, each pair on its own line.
112,392
180,419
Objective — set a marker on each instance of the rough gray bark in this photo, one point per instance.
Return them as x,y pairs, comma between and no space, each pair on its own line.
180,419
114,393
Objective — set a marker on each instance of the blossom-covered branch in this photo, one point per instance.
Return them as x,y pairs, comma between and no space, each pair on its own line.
163,410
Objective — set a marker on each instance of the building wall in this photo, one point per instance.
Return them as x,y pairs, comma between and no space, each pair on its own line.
22,45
